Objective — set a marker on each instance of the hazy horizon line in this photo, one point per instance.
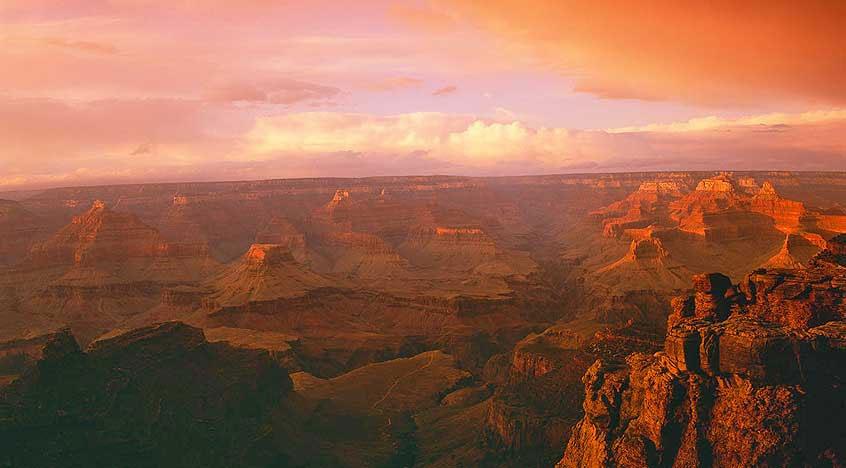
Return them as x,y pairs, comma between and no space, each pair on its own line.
410,176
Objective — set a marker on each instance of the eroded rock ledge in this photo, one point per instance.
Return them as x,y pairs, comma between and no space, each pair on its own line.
750,375
156,396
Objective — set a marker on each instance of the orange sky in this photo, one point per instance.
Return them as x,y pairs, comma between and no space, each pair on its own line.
116,91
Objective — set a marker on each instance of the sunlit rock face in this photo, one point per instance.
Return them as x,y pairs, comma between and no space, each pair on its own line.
725,222
749,375
646,206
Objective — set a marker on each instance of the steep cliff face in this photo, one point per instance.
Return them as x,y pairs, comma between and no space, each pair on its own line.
450,247
156,396
647,205
696,212
535,409
19,229
280,231
648,264
723,208
750,375
795,252
788,215
100,269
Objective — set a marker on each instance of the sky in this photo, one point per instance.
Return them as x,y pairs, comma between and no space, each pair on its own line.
129,91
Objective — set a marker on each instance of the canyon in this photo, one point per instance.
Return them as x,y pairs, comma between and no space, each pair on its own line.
750,375
576,320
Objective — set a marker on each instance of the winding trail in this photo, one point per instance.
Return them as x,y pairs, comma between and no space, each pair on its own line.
399,379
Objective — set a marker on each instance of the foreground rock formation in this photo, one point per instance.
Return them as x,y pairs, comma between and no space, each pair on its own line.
750,375
538,400
156,396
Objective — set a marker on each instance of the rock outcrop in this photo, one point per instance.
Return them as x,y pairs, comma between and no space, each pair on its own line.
280,231
727,223
106,246
18,356
155,396
750,375
788,215
538,405
647,205
341,199
265,273
99,235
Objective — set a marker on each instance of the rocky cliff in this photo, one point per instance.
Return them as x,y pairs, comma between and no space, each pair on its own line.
266,272
647,205
750,375
538,404
155,396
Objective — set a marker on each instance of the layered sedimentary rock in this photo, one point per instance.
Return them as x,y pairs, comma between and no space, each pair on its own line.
750,375
341,200
226,223
102,268
465,265
727,223
279,231
450,247
265,273
99,235
536,407
278,345
463,249
716,211
647,263
156,396
795,252
104,246
648,205
19,229
362,255
788,215
721,209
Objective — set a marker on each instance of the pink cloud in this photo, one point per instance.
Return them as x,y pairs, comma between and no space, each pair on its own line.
393,84
445,90
135,90
83,46
717,53
478,146
279,91
84,145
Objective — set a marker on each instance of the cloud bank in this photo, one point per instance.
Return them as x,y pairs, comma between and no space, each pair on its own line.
113,91
174,146
719,52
